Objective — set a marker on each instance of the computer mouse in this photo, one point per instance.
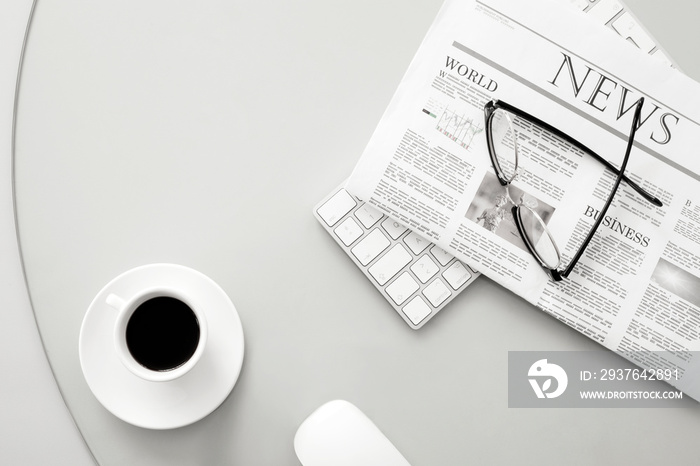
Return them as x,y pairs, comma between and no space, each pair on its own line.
339,434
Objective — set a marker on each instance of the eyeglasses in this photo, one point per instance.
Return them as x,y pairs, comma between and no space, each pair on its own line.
510,132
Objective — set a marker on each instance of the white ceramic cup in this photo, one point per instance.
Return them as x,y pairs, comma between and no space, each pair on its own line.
126,309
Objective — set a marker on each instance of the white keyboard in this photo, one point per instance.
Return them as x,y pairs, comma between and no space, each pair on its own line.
416,276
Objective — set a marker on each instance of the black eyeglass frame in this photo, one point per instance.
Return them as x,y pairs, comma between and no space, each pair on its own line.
556,274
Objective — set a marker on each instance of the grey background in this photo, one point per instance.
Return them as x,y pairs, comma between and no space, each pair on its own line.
202,133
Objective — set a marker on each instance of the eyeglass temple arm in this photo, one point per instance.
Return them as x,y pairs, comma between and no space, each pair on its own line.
603,211
642,192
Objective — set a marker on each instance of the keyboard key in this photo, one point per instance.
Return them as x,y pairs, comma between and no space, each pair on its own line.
390,264
457,275
442,256
416,310
336,207
348,231
394,228
436,292
368,215
370,247
402,288
425,268
376,242
416,243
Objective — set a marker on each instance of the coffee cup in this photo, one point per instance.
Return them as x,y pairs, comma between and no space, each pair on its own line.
159,333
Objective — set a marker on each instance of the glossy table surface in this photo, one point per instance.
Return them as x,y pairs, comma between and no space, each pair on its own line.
203,133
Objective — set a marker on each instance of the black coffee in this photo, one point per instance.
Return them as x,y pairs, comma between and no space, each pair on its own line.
162,333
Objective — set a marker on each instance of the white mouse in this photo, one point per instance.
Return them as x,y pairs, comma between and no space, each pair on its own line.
339,434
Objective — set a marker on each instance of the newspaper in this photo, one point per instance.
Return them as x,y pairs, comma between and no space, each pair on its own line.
636,290
615,15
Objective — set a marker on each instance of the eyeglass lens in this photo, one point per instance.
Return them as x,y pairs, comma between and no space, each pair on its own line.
524,149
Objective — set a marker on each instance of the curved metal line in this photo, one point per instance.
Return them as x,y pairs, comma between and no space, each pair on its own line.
13,166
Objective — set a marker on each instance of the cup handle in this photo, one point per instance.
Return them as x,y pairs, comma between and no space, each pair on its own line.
115,302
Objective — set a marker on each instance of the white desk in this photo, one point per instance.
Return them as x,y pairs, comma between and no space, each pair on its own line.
35,425
195,133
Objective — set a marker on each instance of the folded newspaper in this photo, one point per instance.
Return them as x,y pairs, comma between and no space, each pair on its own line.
636,290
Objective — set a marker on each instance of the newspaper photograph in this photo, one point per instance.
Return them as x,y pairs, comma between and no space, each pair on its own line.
635,287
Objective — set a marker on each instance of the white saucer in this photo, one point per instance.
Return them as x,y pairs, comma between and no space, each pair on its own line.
162,405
